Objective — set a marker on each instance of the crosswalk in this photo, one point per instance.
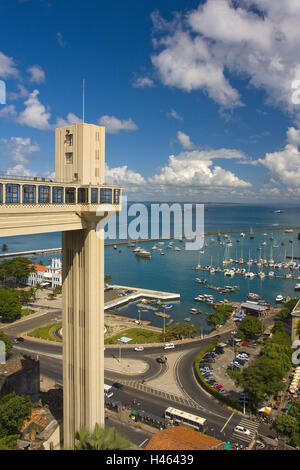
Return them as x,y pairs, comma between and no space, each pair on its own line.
169,396
248,424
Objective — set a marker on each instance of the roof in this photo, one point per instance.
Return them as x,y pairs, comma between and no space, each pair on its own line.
182,438
253,306
16,364
39,267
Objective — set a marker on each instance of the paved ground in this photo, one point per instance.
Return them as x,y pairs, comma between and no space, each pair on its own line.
125,366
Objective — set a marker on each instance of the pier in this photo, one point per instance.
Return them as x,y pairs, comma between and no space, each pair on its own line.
137,293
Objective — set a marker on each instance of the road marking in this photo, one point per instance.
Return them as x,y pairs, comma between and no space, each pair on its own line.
140,445
227,422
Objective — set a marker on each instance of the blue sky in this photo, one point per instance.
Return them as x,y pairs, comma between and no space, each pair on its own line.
199,98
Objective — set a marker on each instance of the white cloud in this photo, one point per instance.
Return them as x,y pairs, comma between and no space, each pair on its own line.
8,111
7,67
34,114
22,93
284,165
71,119
200,48
60,40
196,169
173,114
18,149
185,140
114,125
37,74
143,82
19,170
124,177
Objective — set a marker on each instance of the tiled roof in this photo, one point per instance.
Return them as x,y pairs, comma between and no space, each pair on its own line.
182,438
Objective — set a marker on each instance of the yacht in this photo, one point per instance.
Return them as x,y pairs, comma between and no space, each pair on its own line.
250,275
297,286
229,272
199,298
271,274
279,298
177,248
261,274
252,296
242,234
143,253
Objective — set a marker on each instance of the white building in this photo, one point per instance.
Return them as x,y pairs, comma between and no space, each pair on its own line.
50,276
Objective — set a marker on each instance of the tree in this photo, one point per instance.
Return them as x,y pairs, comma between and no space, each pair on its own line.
10,306
13,410
179,331
7,342
100,439
16,268
250,327
9,443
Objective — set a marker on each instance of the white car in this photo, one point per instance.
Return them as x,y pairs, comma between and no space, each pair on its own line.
169,346
139,348
242,430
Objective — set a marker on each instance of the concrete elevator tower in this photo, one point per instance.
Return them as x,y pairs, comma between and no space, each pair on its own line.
69,204
80,155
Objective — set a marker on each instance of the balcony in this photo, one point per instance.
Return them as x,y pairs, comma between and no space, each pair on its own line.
40,205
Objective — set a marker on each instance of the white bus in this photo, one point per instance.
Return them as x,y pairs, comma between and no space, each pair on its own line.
187,419
108,391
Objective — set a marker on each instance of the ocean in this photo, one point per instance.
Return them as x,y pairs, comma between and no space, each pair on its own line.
174,272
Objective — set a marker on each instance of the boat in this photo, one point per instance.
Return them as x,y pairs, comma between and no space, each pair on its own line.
251,234
162,253
201,280
115,247
154,247
177,248
187,319
261,274
162,315
143,254
278,211
252,296
168,307
195,311
297,286
289,230
271,274
137,249
229,272
131,244
250,275
199,298
242,235
279,298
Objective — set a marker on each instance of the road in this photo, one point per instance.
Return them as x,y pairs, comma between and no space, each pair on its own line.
220,419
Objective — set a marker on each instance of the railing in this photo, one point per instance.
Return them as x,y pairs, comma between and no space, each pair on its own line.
41,192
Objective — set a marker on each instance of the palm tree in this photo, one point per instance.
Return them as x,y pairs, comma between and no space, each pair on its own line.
100,439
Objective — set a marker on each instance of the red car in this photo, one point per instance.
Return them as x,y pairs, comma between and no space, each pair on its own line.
245,343
218,386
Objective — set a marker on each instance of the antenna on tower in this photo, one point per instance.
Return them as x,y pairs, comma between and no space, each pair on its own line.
83,82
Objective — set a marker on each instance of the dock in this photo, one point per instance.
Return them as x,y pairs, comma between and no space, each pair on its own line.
138,293
31,252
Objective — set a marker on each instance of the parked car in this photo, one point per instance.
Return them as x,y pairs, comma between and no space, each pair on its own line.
245,343
139,348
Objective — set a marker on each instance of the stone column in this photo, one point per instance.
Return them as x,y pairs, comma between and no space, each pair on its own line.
83,329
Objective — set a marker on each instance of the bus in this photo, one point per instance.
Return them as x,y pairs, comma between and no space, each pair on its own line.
187,419
108,391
